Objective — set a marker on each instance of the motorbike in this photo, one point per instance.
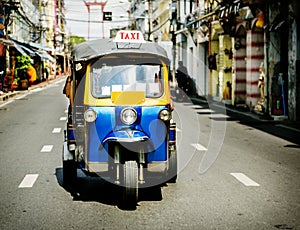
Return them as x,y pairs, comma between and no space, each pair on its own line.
120,124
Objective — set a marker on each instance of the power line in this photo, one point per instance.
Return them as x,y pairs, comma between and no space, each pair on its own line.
96,21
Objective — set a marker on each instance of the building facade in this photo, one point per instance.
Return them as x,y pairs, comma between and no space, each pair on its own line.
34,28
249,48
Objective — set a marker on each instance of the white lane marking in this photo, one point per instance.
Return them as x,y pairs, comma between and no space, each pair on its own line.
6,103
46,148
66,111
199,147
21,97
56,130
197,107
63,118
244,179
218,115
206,111
28,181
37,90
178,130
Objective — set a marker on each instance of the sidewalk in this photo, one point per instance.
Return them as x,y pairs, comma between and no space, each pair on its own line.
276,120
6,96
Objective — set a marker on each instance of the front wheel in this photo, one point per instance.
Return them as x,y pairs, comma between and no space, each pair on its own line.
69,172
172,171
130,195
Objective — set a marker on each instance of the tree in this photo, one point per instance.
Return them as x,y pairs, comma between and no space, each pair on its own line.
22,65
74,40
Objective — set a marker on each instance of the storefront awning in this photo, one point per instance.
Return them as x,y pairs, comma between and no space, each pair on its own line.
25,49
37,46
45,56
19,49
6,42
29,51
33,50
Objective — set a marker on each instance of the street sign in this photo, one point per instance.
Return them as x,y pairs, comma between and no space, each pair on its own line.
129,36
107,16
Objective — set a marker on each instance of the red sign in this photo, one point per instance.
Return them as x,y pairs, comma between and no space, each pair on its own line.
131,36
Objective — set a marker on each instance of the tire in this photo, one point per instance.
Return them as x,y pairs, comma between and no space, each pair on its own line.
69,172
172,172
130,194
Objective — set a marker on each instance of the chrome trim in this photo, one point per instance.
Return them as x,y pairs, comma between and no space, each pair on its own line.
157,166
123,111
67,155
97,167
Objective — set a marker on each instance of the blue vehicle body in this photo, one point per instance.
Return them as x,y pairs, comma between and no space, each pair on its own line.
108,128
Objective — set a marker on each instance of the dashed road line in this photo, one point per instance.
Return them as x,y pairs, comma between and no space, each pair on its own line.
63,118
197,107
28,181
56,130
206,111
199,147
244,179
46,148
218,115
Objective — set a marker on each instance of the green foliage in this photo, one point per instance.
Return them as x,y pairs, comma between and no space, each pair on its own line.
22,65
74,40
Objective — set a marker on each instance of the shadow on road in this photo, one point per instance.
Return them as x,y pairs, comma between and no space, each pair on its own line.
96,189
283,129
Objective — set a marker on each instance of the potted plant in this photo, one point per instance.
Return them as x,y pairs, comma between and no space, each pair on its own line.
22,65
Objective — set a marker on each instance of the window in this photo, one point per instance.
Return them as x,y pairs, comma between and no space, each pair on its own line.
118,78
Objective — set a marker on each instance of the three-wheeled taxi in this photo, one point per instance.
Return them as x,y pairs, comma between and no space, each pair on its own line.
120,116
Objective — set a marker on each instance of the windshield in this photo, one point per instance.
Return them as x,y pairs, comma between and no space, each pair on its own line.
139,77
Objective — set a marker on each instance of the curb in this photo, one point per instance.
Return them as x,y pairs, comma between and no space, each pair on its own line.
6,96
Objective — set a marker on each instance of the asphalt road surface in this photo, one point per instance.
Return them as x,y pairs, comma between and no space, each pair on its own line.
235,173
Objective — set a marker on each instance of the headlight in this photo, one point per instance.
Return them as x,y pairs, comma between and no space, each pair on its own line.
128,116
90,115
165,115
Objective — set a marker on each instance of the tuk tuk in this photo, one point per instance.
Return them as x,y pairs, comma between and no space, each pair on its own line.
120,123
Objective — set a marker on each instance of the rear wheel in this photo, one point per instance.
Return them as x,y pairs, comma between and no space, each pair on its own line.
130,195
69,166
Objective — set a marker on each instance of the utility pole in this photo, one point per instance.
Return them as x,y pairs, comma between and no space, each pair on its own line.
150,20
173,29
267,67
95,3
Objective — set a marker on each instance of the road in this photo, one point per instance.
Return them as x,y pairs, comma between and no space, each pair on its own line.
235,173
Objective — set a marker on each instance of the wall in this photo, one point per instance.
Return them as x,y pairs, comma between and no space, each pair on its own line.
255,56
239,67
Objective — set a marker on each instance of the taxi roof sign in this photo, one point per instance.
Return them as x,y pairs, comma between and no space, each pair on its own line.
129,36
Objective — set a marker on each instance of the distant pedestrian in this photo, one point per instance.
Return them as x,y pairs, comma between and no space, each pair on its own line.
227,91
47,72
182,77
32,75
